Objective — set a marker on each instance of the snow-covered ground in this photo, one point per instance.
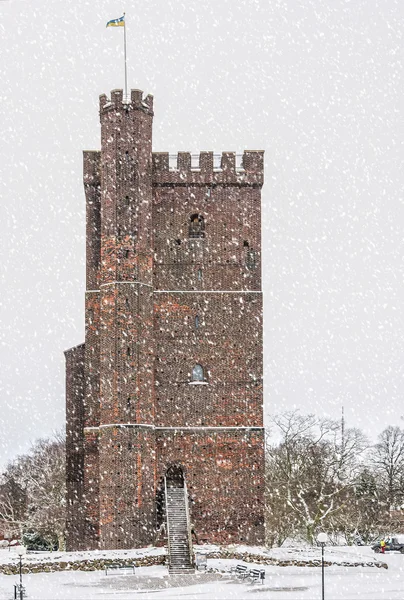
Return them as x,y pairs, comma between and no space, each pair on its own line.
282,583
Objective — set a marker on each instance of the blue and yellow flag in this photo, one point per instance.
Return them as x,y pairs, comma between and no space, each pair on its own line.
117,22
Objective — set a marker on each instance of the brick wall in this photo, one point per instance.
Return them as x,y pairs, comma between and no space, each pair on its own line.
228,256
127,498
224,471
74,446
211,315
226,339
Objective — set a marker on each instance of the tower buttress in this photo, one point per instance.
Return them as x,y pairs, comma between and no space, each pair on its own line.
92,188
127,470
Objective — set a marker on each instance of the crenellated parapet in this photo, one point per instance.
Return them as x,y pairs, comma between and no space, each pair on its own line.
134,102
209,169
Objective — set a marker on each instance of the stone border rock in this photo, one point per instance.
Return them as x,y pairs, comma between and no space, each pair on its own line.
99,564
82,565
268,560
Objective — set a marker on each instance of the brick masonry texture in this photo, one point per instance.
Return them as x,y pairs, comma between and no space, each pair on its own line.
75,389
171,369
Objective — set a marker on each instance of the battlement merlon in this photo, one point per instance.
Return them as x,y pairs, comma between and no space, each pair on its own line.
134,102
209,169
92,168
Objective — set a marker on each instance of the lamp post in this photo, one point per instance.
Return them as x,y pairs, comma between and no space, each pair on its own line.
22,552
322,539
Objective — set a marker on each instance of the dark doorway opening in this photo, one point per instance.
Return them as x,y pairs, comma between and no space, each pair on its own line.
175,477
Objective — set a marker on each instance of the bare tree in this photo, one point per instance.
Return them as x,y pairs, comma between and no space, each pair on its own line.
40,475
13,507
363,516
315,466
388,461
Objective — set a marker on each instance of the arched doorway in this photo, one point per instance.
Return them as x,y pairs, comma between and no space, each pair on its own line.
175,477
178,521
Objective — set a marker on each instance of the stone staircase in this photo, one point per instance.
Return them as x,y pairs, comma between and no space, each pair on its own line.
178,534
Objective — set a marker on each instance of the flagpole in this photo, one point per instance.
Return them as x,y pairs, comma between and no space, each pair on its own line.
126,71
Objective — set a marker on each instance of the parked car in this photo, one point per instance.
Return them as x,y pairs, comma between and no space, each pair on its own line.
393,544
358,541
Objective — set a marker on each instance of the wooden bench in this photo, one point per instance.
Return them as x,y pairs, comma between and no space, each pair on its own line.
257,574
201,561
240,571
117,568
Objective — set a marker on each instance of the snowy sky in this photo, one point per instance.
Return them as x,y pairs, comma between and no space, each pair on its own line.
316,83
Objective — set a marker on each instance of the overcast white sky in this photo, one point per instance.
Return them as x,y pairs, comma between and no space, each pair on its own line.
318,84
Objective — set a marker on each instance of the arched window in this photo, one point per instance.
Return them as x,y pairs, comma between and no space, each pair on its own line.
197,226
197,373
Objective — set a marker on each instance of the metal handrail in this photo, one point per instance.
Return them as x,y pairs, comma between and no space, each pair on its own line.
167,519
188,522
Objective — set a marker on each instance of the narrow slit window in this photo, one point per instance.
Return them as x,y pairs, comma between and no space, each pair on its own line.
251,259
197,322
199,274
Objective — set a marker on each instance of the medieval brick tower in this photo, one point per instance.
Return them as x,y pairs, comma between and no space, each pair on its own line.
169,379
